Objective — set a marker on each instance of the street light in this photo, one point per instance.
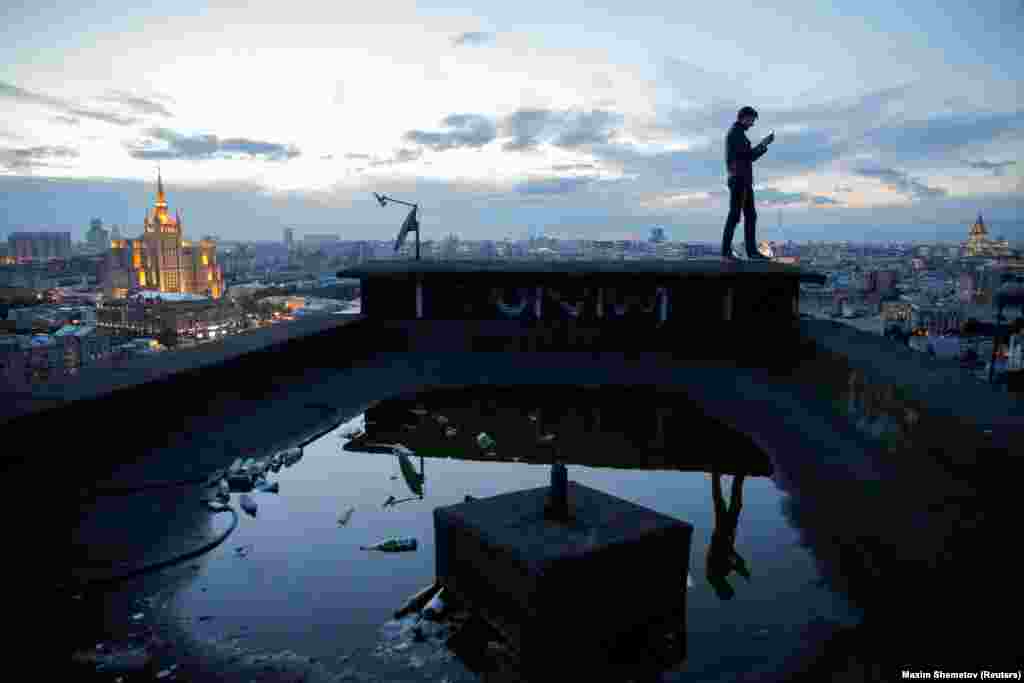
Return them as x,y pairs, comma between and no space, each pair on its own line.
411,224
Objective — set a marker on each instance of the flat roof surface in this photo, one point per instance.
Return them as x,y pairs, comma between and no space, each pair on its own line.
709,267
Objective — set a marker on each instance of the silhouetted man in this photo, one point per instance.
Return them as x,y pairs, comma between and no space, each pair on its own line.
739,162
722,557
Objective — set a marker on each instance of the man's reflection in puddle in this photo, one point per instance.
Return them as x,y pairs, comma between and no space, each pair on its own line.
722,556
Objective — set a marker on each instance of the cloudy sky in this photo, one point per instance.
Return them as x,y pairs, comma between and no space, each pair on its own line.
893,120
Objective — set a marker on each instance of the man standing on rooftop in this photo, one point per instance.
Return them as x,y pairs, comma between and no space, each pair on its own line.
739,162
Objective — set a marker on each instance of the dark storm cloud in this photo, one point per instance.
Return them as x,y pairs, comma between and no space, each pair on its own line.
138,104
552,185
21,95
204,147
24,158
898,180
466,130
997,167
473,38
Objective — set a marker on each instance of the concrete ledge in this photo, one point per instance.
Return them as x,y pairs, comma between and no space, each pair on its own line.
104,379
562,593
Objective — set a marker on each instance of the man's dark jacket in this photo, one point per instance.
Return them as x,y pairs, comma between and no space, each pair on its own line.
739,155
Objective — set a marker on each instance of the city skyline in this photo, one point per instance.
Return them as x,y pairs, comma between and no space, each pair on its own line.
588,124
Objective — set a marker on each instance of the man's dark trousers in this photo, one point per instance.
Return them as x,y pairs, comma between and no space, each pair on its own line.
741,198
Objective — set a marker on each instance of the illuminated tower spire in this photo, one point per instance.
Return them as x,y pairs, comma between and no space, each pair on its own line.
161,200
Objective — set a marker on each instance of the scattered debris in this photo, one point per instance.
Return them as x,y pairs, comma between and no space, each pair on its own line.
434,608
124,660
240,482
214,479
166,673
418,600
266,487
344,519
248,504
393,545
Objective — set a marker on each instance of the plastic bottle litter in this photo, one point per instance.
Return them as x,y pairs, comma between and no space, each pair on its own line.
418,601
248,504
435,608
240,481
393,545
268,487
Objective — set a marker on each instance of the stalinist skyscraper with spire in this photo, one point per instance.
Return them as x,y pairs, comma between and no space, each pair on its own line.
161,259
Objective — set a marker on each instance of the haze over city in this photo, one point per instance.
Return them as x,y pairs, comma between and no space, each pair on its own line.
581,120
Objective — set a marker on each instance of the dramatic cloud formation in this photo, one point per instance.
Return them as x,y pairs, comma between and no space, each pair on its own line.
27,158
473,38
138,104
529,128
938,137
204,147
573,167
997,167
21,95
467,130
546,186
900,181
769,197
